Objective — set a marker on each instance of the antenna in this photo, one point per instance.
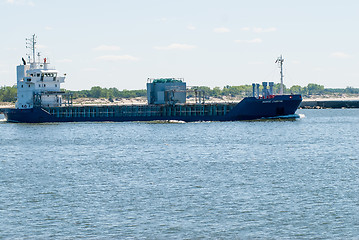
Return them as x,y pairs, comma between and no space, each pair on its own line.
280,61
30,43
38,57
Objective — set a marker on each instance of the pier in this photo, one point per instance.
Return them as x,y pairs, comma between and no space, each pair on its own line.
318,104
2,109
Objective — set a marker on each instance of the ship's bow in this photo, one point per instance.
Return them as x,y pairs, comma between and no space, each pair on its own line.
276,106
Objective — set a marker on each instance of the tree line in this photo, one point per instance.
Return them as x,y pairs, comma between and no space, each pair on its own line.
108,93
8,94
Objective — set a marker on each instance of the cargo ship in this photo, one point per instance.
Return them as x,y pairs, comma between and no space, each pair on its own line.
40,99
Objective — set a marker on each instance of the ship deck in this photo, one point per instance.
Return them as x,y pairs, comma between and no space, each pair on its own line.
208,109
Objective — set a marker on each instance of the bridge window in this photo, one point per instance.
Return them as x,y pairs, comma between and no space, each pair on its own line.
55,85
38,74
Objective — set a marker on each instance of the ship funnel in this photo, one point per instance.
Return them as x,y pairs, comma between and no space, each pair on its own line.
271,84
265,90
255,89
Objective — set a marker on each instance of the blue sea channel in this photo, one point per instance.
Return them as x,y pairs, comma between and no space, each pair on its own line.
211,180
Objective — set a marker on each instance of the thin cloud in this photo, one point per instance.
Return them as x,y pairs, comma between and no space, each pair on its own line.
191,27
117,58
340,55
107,48
48,28
264,30
40,46
221,30
163,19
255,40
176,46
3,68
10,49
90,69
259,29
255,63
66,60
21,2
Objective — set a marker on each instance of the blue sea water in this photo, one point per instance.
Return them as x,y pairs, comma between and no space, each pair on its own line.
232,180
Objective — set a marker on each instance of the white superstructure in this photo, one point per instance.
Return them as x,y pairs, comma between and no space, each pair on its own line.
37,83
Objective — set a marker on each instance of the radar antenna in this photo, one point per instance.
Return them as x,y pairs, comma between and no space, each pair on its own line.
280,61
31,43
38,57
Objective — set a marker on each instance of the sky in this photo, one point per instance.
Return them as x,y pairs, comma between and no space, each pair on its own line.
118,43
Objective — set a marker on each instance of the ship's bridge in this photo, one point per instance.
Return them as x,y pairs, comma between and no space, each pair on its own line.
40,75
38,84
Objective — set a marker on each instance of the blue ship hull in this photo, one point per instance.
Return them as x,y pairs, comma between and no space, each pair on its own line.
249,108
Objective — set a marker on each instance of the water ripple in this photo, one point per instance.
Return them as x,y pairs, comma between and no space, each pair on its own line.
261,179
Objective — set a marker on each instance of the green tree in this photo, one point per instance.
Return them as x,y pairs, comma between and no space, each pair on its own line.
313,88
216,92
296,89
95,92
8,94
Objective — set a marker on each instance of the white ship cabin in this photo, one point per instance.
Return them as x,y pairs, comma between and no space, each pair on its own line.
38,85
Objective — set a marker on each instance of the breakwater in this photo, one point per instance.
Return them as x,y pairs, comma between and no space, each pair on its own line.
329,104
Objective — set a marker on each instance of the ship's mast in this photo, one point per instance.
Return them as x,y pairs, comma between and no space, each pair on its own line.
280,61
30,43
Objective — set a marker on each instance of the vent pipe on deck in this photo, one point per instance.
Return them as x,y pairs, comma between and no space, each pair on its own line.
271,84
265,90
